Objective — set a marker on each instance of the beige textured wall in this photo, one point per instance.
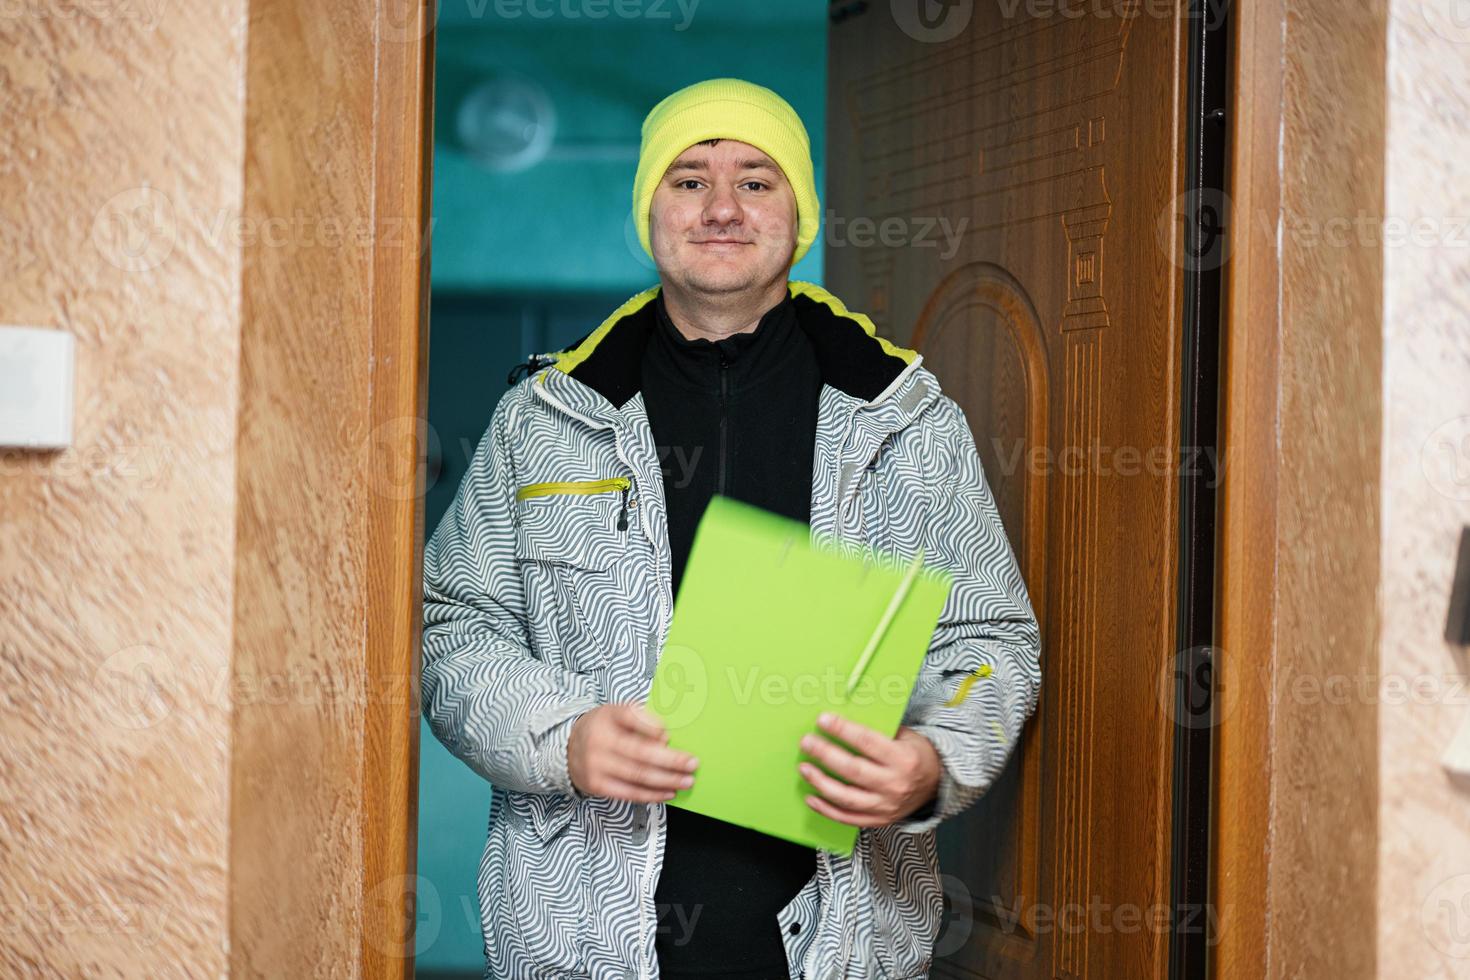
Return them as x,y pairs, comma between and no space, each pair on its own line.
1424,816
206,610
123,136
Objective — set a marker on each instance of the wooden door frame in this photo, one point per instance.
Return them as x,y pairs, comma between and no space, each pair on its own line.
402,185
1289,895
402,178
1296,786
329,484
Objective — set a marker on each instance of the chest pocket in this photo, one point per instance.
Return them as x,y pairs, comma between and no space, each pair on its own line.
570,553
873,506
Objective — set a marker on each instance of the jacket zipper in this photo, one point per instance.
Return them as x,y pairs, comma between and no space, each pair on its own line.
724,417
620,483
659,809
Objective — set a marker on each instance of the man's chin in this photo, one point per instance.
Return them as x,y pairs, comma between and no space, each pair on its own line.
718,280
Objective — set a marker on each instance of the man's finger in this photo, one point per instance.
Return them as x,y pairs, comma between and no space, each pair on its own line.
639,718
641,750
844,816
841,794
856,769
646,776
870,742
621,790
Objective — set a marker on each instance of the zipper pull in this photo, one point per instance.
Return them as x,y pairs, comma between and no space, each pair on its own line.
623,514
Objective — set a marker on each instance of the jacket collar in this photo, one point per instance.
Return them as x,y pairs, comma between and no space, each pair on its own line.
596,378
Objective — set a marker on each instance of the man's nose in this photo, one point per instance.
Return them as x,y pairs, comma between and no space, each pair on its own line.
721,207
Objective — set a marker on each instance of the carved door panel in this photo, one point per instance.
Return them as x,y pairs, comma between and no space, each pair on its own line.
1001,195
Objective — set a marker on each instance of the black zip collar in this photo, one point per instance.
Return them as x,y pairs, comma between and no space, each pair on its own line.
851,357
737,360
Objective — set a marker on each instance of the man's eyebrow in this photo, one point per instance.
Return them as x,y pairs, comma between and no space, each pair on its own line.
683,165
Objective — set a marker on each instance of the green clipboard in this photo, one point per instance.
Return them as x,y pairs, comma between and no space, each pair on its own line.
771,629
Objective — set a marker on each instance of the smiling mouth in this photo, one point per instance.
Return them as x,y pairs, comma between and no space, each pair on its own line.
717,241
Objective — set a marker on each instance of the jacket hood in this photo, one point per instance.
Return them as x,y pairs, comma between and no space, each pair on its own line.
851,355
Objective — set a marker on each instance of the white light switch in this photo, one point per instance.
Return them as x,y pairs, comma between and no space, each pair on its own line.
36,369
1456,759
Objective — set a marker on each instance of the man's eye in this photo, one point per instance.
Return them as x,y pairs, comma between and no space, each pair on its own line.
684,184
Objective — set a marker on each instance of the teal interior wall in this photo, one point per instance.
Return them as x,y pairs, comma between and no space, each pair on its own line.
525,262
566,222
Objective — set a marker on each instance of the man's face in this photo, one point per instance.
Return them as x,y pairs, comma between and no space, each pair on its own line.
723,219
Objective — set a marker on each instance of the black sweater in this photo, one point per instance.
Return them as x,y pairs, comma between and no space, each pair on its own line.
736,417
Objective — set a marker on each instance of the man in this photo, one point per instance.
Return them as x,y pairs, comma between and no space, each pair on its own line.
551,580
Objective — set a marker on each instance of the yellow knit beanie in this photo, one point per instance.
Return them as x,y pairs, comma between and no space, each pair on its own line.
727,108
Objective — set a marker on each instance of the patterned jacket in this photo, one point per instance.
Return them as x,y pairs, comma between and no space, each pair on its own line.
547,592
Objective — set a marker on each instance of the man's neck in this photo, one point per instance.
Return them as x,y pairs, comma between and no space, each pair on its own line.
718,317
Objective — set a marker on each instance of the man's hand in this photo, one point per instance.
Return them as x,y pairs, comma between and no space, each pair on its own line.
890,779
621,751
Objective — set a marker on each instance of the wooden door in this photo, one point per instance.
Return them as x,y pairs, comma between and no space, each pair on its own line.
1001,195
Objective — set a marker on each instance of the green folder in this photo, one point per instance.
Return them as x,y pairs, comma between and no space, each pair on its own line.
770,629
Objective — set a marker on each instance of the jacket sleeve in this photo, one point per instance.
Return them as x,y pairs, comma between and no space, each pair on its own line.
493,704
982,675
